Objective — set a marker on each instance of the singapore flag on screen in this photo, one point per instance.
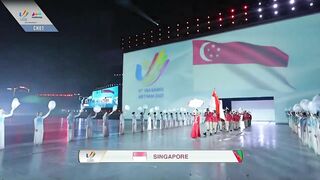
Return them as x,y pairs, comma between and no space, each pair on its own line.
246,65
139,156
206,52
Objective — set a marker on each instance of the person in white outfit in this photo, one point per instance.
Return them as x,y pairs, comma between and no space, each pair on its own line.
149,128
89,127
105,126
155,121
39,127
134,122
166,120
3,116
70,120
121,123
161,120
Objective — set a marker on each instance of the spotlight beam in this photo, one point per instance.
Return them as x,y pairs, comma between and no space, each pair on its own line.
133,8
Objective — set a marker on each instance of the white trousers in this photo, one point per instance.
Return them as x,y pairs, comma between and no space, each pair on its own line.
215,126
227,125
209,126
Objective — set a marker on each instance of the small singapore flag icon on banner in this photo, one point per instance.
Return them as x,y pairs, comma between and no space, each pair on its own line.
139,156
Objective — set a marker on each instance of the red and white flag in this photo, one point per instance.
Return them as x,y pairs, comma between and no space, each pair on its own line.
208,52
139,156
239,66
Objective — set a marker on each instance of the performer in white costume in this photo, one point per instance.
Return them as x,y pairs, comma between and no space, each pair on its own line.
166,120
149,128
121,123
176,122
38,124
105,119
155,121
161,120
134,122
142,121
71,118
70,130
15,103
89,126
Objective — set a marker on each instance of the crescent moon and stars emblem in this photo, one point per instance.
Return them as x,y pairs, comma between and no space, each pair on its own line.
209,51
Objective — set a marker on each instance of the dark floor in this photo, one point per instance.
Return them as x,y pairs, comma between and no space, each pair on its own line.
271,152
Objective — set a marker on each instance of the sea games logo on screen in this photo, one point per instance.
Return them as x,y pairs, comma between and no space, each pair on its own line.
154,70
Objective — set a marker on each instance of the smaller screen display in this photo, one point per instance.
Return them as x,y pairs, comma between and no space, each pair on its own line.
105,98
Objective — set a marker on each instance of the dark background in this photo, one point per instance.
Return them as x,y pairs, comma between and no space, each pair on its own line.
86,52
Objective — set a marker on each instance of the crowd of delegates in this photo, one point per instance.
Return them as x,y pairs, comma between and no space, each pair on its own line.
160,120
229,121
304,120
307,126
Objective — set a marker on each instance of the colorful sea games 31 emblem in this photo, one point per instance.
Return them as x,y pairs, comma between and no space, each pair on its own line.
154,70
90,156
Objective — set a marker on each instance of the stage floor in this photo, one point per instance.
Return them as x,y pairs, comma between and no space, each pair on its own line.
270,152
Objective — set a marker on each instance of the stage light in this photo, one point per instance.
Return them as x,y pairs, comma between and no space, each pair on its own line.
220,14
144,33
129,46
275,0
159,39
151,36
293,8
168,37
129,41
232,10
311,4
245,13
260,16
260,9
220,19
275,12
129,37
187,27
159,29
245,7
208,17
168,27
246,19
187,32
275,6
168,32
232,22
291,1
209,27
232,16
136,39
159,34
178,35
136,44
151,31
259,3
177,29
144,38
187,22
177,24
197,19
198,25
220,25
136,35
197,30
208,22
